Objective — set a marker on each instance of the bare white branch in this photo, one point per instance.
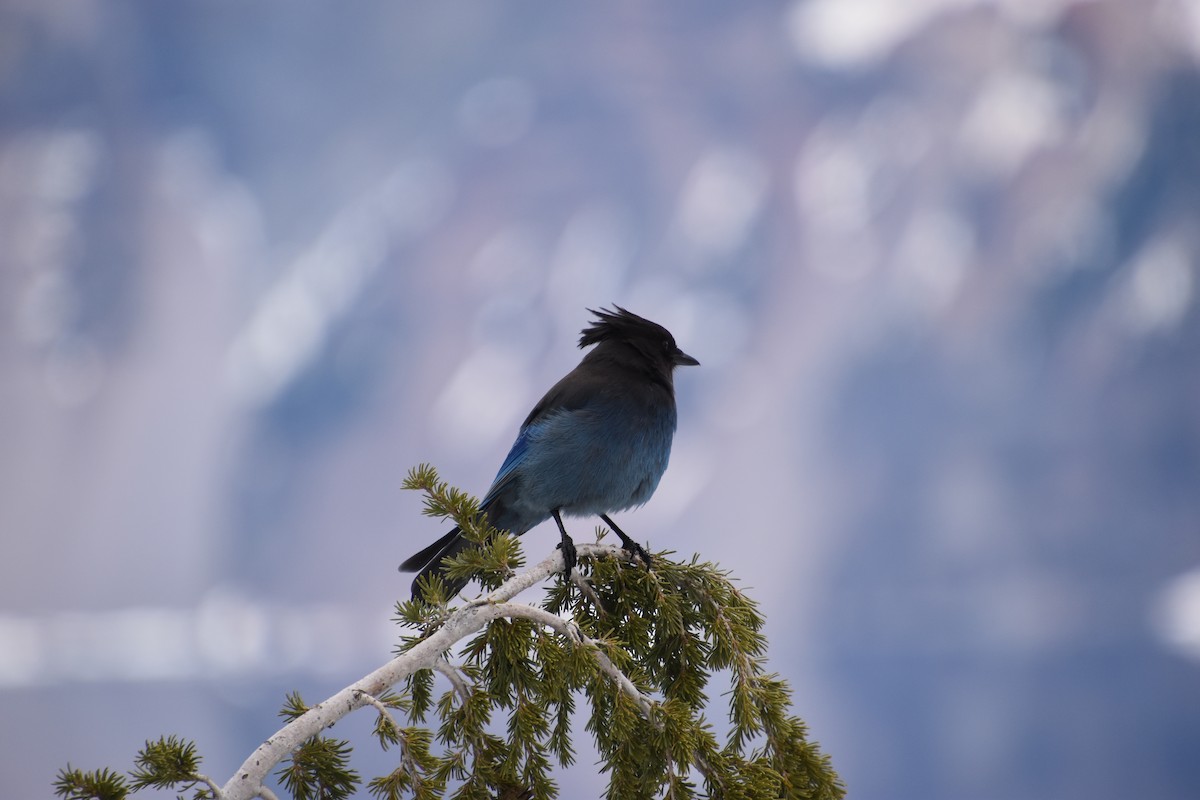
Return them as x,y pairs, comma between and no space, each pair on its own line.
456,678
211,784
248,781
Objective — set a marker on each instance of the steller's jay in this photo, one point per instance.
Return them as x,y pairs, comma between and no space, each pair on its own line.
598,442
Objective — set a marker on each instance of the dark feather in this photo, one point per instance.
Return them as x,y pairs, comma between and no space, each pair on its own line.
418,560
621,324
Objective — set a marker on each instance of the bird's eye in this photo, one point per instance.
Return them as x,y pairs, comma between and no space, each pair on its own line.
668,345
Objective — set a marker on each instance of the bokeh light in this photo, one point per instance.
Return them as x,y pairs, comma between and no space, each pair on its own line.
938,261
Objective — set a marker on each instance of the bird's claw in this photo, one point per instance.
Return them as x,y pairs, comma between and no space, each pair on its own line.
637,551
570,557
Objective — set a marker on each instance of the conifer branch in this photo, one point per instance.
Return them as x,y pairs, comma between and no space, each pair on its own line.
394,733
638,645
572,632
247,782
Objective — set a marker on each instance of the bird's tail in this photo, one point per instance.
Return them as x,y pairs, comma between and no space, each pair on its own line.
429,561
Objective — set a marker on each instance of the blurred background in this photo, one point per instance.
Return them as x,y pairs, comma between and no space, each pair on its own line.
939,261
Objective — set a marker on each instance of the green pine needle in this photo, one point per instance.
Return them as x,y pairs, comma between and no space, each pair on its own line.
318,770
103,784
166,763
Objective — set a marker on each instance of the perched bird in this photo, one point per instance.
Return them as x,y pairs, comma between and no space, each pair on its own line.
597,443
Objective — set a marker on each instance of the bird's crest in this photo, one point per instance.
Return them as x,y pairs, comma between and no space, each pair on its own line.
620,324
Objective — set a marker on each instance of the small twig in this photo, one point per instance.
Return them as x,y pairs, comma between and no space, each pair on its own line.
709,773
452,672
378,705
210,783
410,764
585,586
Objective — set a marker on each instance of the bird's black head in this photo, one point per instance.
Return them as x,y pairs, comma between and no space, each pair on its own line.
622,333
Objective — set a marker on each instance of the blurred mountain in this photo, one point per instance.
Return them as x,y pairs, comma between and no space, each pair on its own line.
939,260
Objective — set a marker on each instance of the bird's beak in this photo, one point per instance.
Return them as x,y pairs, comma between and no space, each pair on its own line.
682,359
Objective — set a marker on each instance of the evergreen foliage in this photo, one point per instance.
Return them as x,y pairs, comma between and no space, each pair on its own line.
168,763
639,647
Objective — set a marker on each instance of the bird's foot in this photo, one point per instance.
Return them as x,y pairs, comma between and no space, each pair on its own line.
570,557
627,544
636,551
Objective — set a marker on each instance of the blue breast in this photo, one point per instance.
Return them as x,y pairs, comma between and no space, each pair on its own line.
596,460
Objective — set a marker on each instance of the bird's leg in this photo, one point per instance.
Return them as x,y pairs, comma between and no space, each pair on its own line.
567,545
626,542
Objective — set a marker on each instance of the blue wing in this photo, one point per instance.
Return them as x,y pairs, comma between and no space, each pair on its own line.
514,458
575,392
